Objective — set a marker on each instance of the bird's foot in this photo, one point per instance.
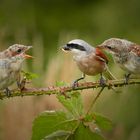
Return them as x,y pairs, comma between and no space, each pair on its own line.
127,77
74,84
8,92
102,81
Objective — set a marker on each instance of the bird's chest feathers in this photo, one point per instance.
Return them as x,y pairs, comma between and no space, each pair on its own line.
89,65
15,66
79,55
8,75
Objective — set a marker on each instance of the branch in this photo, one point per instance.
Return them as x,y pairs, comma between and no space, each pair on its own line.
64,89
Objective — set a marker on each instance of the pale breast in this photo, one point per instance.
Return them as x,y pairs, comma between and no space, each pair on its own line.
133,64
90,66
9,80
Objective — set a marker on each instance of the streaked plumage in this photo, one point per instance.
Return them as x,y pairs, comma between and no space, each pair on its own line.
10,65
125,53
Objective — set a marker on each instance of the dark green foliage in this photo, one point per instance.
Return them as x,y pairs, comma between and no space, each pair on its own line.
73,104
73,124
51,122
84,133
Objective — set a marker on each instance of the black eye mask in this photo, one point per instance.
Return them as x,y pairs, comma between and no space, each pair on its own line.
76,46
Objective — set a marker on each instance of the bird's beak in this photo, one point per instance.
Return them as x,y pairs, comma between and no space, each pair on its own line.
26,48
29,47
65,48
28,56
101,46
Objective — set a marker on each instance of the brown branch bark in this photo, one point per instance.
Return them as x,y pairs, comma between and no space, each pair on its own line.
64,89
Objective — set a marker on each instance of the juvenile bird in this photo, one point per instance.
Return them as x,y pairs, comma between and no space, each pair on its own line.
14,50
125,53
10,71
90,60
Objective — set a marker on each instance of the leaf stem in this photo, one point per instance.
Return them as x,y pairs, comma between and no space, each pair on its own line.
95,99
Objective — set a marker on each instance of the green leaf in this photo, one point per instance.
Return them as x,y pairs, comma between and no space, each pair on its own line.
58,134
60,83
49,122
89,118
73,104
84,133
29,75
102,122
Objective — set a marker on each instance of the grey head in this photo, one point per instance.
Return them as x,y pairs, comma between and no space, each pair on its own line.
78,46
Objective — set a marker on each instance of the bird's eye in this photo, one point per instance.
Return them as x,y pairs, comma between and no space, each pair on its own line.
109,47
19,50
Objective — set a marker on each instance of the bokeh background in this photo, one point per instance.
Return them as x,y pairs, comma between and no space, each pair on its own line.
49,24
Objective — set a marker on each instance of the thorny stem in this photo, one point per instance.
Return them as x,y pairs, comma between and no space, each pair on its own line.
64,89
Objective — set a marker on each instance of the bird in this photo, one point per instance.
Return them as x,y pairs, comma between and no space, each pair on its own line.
125,53
90,60
14,50
10,71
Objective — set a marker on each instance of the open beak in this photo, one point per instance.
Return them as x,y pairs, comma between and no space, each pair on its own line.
28,56
28,47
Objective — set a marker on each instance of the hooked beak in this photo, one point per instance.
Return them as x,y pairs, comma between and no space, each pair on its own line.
65,48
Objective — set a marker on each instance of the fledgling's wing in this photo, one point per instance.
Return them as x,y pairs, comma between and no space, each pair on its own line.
4,69
135,49
1,55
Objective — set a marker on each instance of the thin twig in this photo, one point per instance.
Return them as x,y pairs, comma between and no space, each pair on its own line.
95,99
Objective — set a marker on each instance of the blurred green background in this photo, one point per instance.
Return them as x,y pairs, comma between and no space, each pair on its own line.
49,24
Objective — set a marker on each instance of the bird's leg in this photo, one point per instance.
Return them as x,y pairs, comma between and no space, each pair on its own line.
75,83
18,84
18,81
21,83
102,80
8,92
127,77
